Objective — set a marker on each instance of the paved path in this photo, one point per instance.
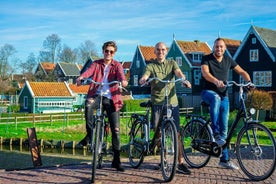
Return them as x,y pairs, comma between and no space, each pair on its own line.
81,174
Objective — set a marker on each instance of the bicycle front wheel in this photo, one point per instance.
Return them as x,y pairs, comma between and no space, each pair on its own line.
136,143
169,150
256,151
95,142
193,131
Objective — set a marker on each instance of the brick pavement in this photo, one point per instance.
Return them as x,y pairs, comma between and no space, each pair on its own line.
81,174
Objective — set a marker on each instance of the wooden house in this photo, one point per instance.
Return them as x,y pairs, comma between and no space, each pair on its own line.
142,56
43,70
257,55
80,93
46,97
68,72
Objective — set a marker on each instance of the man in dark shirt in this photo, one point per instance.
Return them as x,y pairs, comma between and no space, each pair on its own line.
215,69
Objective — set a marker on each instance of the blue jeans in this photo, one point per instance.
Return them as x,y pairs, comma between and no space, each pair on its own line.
219,112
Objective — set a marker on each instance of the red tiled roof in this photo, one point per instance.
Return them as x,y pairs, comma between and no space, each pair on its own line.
47,66
50,89
193,46
148,53
79,89
232,45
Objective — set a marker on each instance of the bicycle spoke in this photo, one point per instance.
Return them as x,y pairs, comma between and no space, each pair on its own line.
256,152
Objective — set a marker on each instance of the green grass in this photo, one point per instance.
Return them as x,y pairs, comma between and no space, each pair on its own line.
75,130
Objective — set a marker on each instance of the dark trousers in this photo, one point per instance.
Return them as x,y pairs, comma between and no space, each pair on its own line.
91,105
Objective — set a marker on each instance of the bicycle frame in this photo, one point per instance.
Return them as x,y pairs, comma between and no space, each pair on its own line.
97,134
242,112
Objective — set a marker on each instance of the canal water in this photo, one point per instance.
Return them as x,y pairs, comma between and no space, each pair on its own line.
14,157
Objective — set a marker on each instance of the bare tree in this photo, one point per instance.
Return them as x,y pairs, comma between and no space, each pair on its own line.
68,55
52,44
6,52
87,50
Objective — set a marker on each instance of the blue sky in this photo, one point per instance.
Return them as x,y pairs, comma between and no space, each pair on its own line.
26,24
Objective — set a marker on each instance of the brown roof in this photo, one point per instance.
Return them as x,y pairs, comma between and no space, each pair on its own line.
193,46
148,53
79,89
50,89
47,66
126,64
232,45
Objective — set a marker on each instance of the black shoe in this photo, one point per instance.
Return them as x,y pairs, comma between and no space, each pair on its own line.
85,141
119,167
183,169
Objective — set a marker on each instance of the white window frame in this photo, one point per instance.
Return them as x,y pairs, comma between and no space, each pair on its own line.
178,60
254,55
135,80
25,102
262,78
197,76
254,40
137,63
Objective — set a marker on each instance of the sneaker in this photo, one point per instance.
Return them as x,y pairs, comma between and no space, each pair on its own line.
220,142
228,165
183,169
85,141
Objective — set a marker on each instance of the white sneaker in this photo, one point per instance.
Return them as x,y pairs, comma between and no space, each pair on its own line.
228,165
220,142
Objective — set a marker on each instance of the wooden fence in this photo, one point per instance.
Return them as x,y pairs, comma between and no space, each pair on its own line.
66,117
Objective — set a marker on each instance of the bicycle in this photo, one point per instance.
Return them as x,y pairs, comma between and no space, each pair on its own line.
140,143
99,129
255,145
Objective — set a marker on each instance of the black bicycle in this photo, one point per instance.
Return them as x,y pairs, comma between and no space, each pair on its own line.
100,128
141,144
255,145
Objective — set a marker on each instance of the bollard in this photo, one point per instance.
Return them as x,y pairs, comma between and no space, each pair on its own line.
33,145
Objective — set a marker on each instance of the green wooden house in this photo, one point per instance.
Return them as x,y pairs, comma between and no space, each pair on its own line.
46,97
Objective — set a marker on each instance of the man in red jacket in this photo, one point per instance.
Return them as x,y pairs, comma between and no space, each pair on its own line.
105,70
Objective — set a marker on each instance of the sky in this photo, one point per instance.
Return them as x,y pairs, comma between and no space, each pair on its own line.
25,24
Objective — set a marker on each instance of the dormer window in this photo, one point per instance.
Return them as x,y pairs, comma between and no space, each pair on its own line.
196,56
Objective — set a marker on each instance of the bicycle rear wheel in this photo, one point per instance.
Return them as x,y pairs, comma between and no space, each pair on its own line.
169,150
136,144
256,151
195,130
95,142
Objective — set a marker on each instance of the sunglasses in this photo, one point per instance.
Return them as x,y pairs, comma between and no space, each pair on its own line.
109,51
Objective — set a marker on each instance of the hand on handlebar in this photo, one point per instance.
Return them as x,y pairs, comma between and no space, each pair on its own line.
186,84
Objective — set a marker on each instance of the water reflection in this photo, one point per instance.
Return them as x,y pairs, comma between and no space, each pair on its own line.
19,157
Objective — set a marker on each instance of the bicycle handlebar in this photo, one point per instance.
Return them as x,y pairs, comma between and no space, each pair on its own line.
163,81
89,81
231,83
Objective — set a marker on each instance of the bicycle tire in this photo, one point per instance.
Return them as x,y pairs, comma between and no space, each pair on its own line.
191,132
169,150
95,149
256,161
136,143
100,149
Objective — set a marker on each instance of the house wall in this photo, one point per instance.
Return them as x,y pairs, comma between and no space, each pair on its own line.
264,64
134,70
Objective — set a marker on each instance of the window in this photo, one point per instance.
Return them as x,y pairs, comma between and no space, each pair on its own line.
137,64
253,40
25,102
135,80
196,57
178,61
262,78
254,55
197,76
